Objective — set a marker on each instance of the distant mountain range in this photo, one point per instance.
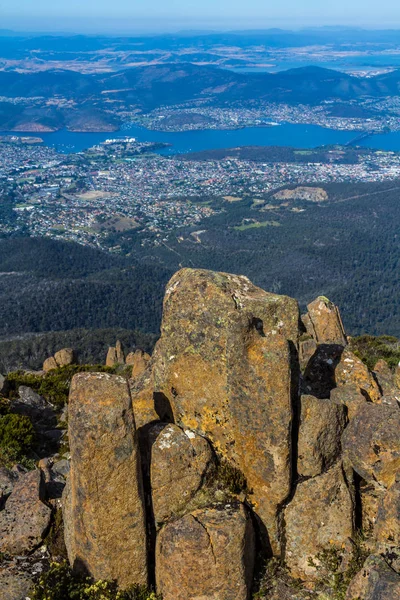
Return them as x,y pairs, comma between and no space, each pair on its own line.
149,87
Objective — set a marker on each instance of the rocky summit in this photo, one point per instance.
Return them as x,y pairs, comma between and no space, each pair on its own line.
253,455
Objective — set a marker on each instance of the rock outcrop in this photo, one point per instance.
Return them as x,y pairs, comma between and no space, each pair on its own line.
115,355
139,361
62,358
180,460
323,322
333,366
242,434
375,581
320,515
371,443
206,554
225,367
103,503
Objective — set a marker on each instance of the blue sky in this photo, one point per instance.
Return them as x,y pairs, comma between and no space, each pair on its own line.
199,14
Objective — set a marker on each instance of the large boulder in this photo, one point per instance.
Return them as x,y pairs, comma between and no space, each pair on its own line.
371,443
49,364
180,460
103,501
320,515
322,423
25,519
208,554
65,357
324,322
375,581
225,367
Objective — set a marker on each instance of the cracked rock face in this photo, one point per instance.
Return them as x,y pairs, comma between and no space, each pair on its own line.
322,423
180,459
320,514
103,501
207,554
223,367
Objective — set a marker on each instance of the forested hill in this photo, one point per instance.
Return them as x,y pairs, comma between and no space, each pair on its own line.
48,285
338,240
152,86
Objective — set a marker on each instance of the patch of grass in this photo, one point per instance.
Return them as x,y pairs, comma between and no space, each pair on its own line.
256,225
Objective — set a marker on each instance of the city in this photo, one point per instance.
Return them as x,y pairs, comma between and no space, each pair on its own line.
122,185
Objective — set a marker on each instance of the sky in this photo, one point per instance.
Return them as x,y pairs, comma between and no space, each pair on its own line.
170,15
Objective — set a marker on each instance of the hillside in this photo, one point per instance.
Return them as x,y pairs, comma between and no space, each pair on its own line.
148,87
341,242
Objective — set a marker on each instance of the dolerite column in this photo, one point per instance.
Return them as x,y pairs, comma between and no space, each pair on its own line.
103,502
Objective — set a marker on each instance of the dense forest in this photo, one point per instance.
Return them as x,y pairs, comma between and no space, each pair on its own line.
47,285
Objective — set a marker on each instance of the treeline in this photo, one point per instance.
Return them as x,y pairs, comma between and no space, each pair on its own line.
90,345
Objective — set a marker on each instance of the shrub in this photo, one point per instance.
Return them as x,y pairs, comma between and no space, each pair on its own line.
54,386
61,583
370,349
231,478
16,433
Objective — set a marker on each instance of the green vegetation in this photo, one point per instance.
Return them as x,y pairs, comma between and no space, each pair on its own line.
17,439
90,346
230,478
54,386
61,583
335,570
274,572
370,349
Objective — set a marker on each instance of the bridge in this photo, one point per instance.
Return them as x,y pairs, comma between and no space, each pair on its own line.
361,136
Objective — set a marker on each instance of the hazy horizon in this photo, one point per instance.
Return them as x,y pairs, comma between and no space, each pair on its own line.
122,16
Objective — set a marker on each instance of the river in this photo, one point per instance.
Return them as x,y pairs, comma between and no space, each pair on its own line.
297,136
